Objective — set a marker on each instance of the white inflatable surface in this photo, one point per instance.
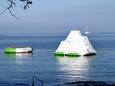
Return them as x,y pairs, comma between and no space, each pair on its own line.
76,43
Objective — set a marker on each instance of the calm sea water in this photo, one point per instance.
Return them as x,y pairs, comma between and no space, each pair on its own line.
18,68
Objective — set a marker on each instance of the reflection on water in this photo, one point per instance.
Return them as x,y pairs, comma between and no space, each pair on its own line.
20,58
19,55
75,67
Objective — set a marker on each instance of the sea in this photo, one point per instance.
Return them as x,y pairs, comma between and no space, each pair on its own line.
43,68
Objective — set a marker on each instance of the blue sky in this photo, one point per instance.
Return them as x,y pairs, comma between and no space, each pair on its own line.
61,16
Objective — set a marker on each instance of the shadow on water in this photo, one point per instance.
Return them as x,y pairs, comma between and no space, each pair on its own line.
88,83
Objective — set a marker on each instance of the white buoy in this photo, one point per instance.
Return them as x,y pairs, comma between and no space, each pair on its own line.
75,45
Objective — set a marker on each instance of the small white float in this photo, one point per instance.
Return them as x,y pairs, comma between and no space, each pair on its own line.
18,50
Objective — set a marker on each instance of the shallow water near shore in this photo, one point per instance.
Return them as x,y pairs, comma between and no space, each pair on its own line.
52,70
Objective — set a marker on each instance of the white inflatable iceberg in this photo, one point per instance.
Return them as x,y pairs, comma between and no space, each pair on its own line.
75,45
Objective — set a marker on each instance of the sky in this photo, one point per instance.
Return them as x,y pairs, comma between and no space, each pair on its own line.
60,16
